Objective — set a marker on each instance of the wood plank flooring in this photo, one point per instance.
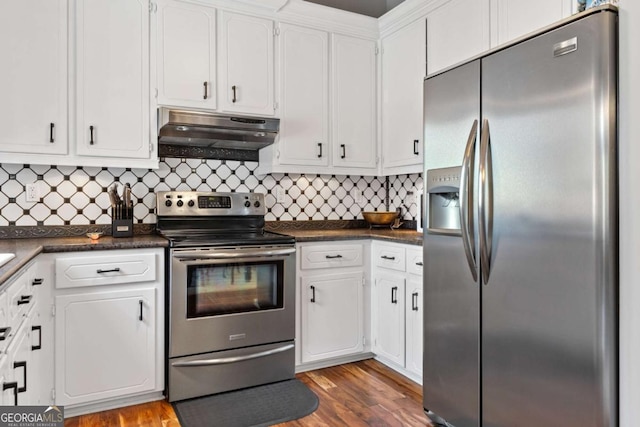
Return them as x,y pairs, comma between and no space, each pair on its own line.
365,393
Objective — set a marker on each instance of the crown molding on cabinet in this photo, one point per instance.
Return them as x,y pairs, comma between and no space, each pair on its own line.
405,13
329,19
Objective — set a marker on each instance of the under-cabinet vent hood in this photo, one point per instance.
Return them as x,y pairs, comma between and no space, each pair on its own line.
202,129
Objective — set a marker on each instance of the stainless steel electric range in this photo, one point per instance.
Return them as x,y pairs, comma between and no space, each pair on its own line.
231,293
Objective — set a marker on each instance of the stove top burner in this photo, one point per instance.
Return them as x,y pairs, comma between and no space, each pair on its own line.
207,219
209,238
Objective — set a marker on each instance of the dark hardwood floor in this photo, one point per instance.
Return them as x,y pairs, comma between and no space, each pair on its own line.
364,393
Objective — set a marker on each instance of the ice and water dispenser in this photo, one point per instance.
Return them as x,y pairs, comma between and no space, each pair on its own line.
443,204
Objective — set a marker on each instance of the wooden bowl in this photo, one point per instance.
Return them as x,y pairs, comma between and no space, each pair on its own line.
380,218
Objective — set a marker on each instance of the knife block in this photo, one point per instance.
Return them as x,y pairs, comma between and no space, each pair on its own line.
123,227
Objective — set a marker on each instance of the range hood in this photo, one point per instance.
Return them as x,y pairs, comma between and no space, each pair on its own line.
203,129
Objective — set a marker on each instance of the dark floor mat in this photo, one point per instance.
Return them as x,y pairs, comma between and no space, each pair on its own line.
256,406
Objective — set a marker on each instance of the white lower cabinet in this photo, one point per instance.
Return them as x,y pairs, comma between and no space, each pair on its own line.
26,339
331,299
331,313
388,341
109,326
397,301
106,344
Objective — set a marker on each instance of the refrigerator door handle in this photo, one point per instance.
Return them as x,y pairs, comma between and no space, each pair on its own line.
466,200
485,203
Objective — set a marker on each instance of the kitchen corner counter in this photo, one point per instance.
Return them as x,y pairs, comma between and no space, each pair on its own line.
411,237
27,249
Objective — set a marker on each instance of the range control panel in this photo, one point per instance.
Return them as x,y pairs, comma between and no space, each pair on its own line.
199,203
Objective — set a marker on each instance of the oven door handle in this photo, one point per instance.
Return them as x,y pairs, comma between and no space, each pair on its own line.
238,253
225,360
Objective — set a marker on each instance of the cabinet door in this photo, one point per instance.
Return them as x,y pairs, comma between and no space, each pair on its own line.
457,31
389,324
414,311
105,345
112,78
515,18
353,79
186,54
246,64
403,71
33,76
304,96
331,315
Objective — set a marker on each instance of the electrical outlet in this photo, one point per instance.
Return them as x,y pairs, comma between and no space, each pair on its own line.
356,194
33,192
280,195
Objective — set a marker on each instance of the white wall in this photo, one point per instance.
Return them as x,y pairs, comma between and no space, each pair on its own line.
629,163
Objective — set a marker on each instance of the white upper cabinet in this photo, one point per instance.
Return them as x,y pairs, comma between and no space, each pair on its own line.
515,18
456,31
186,54
403,71
246,64
304,96
112,78
353,78
33,76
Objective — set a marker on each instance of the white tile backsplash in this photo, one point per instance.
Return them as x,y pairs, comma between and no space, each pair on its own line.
77,195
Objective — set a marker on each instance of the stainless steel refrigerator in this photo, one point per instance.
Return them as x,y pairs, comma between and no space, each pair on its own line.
521,268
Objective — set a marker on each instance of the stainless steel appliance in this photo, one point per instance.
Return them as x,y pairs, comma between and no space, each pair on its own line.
205,129
521,278
231,288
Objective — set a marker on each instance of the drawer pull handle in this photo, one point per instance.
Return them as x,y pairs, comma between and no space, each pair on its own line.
313,293
333,256
39,329
113,270
23,365
419,263
37,282
14,386
414,301
25,299
141,306
4,333
390,258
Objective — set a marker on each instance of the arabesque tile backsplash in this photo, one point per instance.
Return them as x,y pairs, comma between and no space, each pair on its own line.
77,195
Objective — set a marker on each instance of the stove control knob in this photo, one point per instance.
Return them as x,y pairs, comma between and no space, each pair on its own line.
191,203
180,203
247,204
257,204
168,203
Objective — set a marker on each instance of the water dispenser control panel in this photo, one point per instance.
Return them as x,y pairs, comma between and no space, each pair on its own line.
443,203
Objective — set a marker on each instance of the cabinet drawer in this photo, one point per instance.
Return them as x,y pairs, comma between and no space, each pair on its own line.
98,270
414,261
20,300
330,256
388,256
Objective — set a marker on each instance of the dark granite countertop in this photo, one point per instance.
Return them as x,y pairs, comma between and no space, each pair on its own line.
410,237
27,249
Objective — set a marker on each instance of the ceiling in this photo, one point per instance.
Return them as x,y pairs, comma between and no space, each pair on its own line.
374,8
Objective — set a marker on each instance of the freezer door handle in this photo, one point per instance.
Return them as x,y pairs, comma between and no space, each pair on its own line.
466,201
485,203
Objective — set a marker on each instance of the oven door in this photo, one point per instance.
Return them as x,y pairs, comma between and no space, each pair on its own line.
225,298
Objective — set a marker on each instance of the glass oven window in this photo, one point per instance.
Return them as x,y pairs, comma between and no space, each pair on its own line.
215,289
